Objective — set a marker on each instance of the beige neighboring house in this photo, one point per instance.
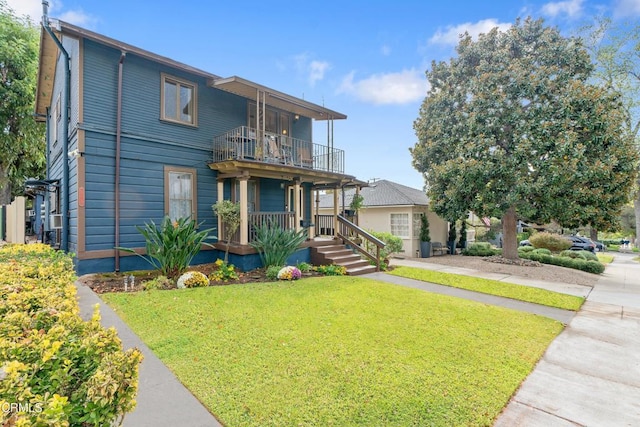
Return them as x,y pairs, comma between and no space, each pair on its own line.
393,208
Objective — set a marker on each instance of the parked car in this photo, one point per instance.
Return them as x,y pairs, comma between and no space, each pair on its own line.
600,247
579,243
525,243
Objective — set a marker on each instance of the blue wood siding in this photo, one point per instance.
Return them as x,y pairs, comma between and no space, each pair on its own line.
272,197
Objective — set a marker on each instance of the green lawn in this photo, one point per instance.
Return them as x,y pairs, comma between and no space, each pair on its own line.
604,258
493,287
339,351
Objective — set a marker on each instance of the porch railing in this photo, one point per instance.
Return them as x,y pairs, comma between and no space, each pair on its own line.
244,143
356,238
285,220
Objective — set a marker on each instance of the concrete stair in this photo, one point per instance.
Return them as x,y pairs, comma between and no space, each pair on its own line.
339,254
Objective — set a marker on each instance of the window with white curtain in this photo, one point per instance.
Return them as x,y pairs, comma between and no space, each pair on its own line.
180,193
400,224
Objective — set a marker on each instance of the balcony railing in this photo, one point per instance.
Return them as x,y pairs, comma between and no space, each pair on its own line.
244,143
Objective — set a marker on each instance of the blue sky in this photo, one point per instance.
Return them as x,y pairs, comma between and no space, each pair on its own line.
366,59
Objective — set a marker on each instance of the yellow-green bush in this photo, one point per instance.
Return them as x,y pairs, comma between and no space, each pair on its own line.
57,369
553,242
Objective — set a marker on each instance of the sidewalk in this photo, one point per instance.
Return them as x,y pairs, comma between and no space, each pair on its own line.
162,400
590,374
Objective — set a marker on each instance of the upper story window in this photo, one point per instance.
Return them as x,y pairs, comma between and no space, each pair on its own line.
178,101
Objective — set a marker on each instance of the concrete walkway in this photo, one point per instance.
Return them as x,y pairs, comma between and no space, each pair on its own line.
162,400
590,374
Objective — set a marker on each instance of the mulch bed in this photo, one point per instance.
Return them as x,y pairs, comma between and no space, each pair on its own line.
114,282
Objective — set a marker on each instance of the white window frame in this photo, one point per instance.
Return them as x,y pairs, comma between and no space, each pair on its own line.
169,172
179,83
391,224
417,224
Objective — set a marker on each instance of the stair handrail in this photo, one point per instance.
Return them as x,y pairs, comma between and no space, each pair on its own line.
352,230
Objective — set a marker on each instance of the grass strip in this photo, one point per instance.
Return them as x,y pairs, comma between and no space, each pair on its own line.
339,351
492,287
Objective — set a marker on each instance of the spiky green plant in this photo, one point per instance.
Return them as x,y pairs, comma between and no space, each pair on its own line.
171,246
275,245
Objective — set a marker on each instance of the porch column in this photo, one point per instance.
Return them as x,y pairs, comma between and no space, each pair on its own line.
335,212
357,219
220,199
314,217
297,215
244,211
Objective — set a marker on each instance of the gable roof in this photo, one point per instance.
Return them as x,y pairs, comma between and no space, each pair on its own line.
234,84
380,193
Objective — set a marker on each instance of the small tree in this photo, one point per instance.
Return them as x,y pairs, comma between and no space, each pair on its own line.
424,228
463,234
229,214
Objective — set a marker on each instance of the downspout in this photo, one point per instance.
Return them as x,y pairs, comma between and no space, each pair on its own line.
117,177
64,241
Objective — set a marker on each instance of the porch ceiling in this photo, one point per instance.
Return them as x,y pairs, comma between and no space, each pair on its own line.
238,168
248,89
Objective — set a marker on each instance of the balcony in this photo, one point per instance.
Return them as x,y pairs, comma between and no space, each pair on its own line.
251,145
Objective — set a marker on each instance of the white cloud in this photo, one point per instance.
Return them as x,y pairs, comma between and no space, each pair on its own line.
391,88
312,69
571,8
316,70
33,9
385,50
451,34
78,17
626,8
30,8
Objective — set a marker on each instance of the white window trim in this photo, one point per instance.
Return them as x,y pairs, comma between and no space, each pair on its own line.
179,82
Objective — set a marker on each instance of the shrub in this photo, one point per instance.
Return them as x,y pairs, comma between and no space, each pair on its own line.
577,263
331,270
543,251
192,279
275,245
553,242
424,228
393,244
304,267
171,246
572,254
289,273
525,249
67,371
589,255
224,272
160,282
272,272
479,249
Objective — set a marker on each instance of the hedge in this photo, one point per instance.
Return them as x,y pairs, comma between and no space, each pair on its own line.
589,266
55,368
480,249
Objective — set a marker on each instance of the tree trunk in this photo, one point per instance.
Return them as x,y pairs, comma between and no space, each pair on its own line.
593,234
636,205
509,235
5,187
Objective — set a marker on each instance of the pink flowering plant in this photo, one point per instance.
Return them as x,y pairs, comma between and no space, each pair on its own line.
289,273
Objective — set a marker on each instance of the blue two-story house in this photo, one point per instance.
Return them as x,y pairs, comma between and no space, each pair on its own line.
133,136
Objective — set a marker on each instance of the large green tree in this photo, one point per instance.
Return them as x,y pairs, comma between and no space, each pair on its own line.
615,48
511,128
22,145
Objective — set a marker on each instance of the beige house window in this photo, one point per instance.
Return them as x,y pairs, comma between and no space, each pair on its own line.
178,101
417,225
400,225
180,196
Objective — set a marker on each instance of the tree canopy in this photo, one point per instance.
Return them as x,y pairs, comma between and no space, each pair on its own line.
21,138
615,48
512,128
